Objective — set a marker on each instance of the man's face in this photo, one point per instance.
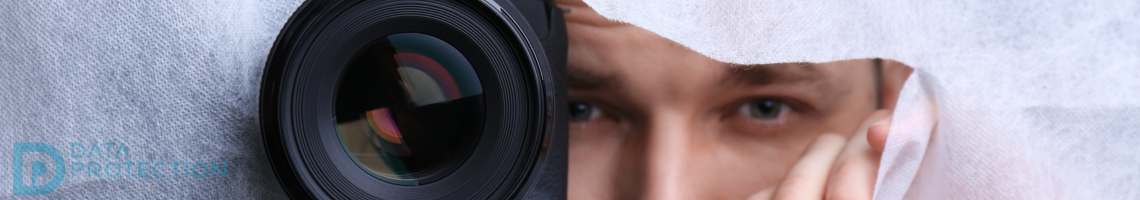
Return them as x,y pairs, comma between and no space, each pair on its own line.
652,118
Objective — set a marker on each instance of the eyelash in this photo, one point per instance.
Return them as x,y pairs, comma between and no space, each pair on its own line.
593,111
741,119
787,108
752,108
791,109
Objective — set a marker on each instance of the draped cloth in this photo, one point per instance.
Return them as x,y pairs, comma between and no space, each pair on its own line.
174,82
1009,99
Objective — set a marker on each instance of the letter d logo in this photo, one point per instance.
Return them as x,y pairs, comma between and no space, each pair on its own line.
38,169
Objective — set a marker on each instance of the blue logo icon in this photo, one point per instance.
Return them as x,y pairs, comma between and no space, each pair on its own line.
37,169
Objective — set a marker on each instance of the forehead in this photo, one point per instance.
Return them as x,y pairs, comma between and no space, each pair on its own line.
626,63
608,54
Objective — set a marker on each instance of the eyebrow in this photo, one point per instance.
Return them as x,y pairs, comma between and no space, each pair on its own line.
767,74
755,75
583,79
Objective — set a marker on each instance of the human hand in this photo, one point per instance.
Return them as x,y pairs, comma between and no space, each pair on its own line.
834,167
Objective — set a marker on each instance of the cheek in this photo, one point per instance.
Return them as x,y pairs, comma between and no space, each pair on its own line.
593,148
744,126
757,154
596,133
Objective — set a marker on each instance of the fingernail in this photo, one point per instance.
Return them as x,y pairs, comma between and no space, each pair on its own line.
885,120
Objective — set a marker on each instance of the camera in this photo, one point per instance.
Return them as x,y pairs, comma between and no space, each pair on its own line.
423,99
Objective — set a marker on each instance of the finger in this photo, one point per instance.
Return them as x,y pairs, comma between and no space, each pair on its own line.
877,134
859,141
854,172
765,194
808,176
854,178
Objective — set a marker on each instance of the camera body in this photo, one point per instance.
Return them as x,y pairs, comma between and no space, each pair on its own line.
428,99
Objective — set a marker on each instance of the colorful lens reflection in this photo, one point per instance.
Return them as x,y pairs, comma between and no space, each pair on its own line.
409,109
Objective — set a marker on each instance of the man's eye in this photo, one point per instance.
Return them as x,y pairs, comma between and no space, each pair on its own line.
764,108
580,112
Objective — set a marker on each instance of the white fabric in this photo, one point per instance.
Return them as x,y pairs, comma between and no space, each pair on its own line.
1009,100
175,82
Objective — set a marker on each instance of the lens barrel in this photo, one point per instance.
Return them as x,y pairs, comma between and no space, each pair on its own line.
430,99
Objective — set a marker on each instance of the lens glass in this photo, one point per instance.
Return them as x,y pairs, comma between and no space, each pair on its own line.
409,108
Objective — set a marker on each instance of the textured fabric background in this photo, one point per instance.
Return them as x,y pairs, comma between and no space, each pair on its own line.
174,81
1009,99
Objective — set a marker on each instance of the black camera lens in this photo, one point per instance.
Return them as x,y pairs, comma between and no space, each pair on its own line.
418,99
409,109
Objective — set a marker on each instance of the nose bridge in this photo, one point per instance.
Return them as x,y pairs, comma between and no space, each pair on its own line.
668,146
